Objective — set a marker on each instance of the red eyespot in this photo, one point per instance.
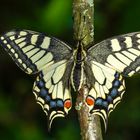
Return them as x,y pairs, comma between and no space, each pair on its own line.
67,104
90,101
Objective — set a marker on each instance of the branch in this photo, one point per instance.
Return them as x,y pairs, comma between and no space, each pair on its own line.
84,31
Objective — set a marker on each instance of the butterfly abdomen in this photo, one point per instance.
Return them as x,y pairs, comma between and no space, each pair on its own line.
77,71
76,76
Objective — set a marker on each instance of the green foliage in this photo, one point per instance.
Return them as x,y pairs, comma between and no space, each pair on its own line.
56,16
20,116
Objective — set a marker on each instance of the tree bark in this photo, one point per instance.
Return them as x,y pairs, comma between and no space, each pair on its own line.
84,31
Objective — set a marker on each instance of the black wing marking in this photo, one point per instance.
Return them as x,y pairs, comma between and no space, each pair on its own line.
121,53
32,50
52,90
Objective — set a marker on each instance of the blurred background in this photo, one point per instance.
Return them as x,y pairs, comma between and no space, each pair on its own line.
20,116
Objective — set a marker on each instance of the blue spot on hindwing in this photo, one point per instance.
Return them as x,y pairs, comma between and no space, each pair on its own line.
98,102
40,84
109,99
52,104
47,98
117,75
105,104
43,92
116,83
114,92
101,103
60,103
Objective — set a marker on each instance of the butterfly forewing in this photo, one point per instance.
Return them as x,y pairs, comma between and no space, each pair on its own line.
121,53
32,50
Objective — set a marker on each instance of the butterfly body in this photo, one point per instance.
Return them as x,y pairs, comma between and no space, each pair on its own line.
102,67
77,74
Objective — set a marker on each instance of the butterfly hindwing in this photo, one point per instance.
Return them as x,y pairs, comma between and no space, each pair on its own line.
121,53
106,88
52,90
31,50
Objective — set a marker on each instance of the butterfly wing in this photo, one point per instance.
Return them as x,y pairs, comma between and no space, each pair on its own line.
106,88
110,61
52,90
121,53
31,50
48,57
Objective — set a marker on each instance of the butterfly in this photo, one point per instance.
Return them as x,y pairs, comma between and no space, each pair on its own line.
60,67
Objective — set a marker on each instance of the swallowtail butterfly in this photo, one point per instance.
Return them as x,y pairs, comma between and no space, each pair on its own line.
104,65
